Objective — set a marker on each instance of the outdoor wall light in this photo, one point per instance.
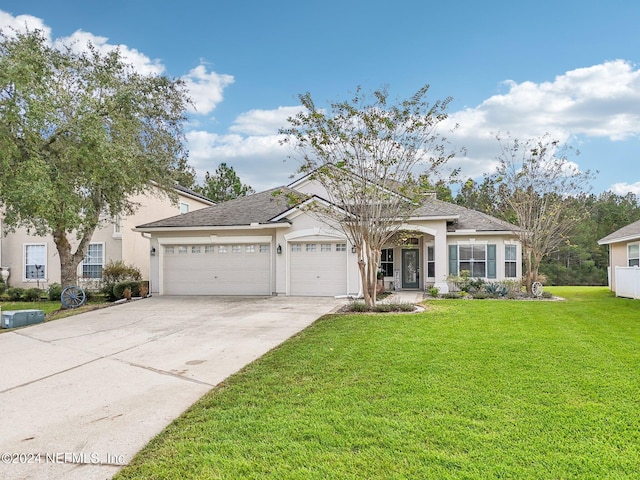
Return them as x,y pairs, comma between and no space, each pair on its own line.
279,249
153,251
353,249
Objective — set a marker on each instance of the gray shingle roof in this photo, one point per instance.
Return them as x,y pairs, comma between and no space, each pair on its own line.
629,232
467,219
264,206
258,208
188,191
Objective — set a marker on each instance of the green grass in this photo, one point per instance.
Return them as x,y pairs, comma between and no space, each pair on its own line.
45,305
468,389
52,310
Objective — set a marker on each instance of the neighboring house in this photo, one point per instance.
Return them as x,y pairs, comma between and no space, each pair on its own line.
624,260
33,261
261,245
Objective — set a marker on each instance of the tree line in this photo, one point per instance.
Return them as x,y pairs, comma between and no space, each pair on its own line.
578,260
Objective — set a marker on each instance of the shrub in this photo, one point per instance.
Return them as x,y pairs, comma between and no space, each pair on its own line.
114,272
3,286
15,294
358,307
132,285
481,295
55,291
546,294
32,294
452,295
496,289
117,272
433,291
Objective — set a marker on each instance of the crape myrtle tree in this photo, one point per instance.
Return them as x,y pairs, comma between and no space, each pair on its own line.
535,179
80,135
368,153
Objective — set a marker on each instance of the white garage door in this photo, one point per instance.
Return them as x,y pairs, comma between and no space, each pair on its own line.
318,269
234,269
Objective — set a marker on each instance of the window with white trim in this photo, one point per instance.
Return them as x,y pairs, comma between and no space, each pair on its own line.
296,247
431,261
325,247
184,207
264,248
93,261
478,259
236,248
35,261
341,247
250,248
209,249
117,226
473,258
222,249
510,261
169,250
633,254
182,250
386,261
311,247
195,249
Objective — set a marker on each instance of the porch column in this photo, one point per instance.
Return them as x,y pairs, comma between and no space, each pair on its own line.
440,252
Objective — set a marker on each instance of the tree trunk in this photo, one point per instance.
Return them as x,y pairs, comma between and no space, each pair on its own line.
69,260
362,267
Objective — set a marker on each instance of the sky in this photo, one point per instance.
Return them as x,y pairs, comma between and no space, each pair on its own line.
568,68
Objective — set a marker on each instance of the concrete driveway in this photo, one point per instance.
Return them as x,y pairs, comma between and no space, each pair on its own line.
80,396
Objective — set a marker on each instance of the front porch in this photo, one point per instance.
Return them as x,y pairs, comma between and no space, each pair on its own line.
415,261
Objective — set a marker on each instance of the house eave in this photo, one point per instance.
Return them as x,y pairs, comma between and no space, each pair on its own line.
434,218
628,238
479,232
253,226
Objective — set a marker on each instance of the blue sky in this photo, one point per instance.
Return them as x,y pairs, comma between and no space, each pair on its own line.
569,68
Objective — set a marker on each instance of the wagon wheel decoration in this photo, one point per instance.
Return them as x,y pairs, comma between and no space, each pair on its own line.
72,297
536,289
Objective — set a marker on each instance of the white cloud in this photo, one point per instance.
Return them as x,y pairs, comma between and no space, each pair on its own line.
206,88
79,40
624,188
259,161
601,101
22,23
263,122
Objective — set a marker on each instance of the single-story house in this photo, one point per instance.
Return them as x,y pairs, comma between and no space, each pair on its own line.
32,261
262,245
624,260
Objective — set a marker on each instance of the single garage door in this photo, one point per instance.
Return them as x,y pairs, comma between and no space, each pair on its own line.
234,269
318,268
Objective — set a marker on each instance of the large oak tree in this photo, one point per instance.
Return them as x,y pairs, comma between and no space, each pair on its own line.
80,135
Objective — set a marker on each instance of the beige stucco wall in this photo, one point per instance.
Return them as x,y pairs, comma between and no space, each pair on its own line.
129,246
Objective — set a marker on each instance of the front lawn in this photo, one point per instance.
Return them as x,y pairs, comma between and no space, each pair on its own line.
468,389
52,309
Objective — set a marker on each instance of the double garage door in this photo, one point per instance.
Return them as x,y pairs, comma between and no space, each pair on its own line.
233,269
315,269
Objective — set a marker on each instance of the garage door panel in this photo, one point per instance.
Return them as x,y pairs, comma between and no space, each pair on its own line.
239,270
318,269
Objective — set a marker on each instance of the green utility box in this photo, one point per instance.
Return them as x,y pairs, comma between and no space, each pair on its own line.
21,318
